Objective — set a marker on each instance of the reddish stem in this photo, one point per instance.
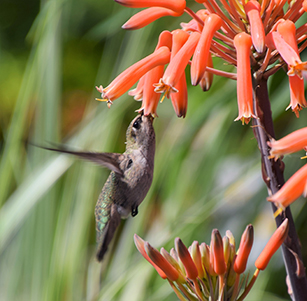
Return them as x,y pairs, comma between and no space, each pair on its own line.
272,173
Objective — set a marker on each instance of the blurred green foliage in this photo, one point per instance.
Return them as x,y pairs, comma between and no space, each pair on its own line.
207,170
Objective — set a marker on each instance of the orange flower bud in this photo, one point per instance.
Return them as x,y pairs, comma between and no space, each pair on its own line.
196,256
291,190
171,273
217,251
243,43
186,259
200,59
273,244
139,243
289,144
252,9
147,16
175,5
246,244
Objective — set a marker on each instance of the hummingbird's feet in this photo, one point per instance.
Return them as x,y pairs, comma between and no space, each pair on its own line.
134,211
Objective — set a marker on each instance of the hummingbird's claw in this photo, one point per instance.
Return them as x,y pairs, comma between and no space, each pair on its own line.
134,211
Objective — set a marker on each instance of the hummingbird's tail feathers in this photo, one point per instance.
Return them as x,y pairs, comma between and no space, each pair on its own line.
110,160
104,238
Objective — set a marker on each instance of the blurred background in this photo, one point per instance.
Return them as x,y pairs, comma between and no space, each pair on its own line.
207,167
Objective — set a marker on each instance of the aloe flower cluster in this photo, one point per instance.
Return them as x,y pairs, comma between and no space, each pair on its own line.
215,271
257,38
250,35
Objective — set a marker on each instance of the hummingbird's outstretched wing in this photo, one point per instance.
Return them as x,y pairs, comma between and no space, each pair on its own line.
105,236
109,160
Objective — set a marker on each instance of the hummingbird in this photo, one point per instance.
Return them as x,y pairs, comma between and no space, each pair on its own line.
128,183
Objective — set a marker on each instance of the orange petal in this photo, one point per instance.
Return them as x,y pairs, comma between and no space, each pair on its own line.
243,43
175,5
200,59
186,259
139,243
246,244
291,190
130,76
147,16
289,144
217,251
272,246
252,9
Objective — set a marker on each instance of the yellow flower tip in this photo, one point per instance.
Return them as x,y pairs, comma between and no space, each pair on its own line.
278,211
163,87
272,246
304,157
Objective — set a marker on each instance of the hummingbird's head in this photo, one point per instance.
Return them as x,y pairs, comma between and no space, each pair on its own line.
140,133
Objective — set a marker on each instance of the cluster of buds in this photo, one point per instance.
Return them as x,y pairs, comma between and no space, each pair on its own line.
211,272
297,184
257,37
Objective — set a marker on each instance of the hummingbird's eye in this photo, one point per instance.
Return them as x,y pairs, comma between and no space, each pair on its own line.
137,123
130,162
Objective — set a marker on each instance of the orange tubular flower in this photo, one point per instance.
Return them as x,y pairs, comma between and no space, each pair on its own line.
272,246
150,97
252,9
243,43
180,98
139,243
289,55
177,6
217,251
130,76
196,256
177,65
171,273
207,79
291,190
297,90
200,59
147,16
246,244
289,144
